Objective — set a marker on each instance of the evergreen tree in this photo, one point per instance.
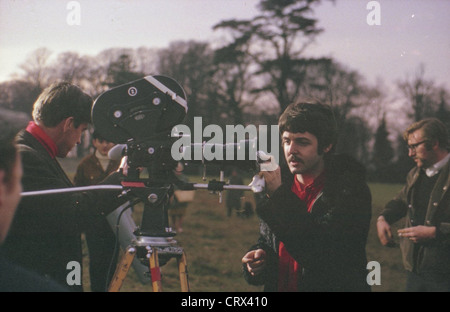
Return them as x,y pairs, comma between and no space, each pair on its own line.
383,153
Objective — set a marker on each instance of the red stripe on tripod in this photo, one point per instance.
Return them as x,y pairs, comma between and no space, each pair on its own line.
133,184
156,274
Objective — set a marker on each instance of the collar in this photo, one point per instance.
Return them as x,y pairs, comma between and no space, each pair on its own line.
318,183
100,156
308,193
433,170
43,138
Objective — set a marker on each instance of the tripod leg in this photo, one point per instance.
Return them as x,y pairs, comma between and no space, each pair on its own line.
182,268
155,270
122,270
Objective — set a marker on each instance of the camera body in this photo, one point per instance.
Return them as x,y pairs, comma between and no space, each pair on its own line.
140,110
141,115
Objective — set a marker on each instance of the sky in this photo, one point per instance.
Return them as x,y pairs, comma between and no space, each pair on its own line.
409,32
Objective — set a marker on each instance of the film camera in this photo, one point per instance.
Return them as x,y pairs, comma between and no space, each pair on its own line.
139,117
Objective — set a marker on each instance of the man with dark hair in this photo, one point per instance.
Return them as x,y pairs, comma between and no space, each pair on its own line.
45,235
60,101
315,217
13,277
100,238
425,202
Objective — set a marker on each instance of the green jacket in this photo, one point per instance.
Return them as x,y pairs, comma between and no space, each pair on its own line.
432,256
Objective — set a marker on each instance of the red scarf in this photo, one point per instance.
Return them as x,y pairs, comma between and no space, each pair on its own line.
288,268
43,138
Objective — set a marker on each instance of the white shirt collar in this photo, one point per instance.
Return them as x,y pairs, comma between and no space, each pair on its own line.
100,156
433,170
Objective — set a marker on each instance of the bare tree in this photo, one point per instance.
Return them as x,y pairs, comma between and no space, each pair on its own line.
100,69
336,85
121,71
146,60
190,64
36,69
418,93
233,78
71,67
443,112
18,95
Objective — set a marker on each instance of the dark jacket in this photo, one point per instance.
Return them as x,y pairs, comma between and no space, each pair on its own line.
14,278
328,242
433,257
45,234
90,171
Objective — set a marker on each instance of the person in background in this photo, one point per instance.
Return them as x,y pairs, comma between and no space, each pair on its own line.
100,238
425,202
234,197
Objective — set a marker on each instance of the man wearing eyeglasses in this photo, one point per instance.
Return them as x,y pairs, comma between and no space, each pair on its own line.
425,202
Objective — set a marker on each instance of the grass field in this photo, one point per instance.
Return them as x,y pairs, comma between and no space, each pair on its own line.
214,245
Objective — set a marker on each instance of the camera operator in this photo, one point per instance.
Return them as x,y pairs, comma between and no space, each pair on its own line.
315,218
45,234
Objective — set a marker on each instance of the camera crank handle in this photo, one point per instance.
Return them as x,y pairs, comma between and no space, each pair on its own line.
204,172
258,184
221,179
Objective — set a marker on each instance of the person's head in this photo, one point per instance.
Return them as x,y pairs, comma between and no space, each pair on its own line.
179,168
10,184
101,144
308,132
427,141
65,111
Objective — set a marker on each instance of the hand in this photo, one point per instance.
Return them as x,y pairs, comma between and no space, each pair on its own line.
123,167
255,261
258,184
384,232
418,233
272,179
270,171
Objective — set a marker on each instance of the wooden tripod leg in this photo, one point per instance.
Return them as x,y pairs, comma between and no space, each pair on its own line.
122,269
155,270
182,268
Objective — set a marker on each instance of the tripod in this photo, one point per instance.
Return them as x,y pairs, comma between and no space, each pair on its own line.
153,251
153,242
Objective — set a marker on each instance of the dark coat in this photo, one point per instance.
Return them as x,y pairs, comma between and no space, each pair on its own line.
45,234
328,242
433,257
14,278
90,171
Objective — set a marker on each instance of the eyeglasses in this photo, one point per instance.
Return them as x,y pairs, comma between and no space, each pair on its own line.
413,147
